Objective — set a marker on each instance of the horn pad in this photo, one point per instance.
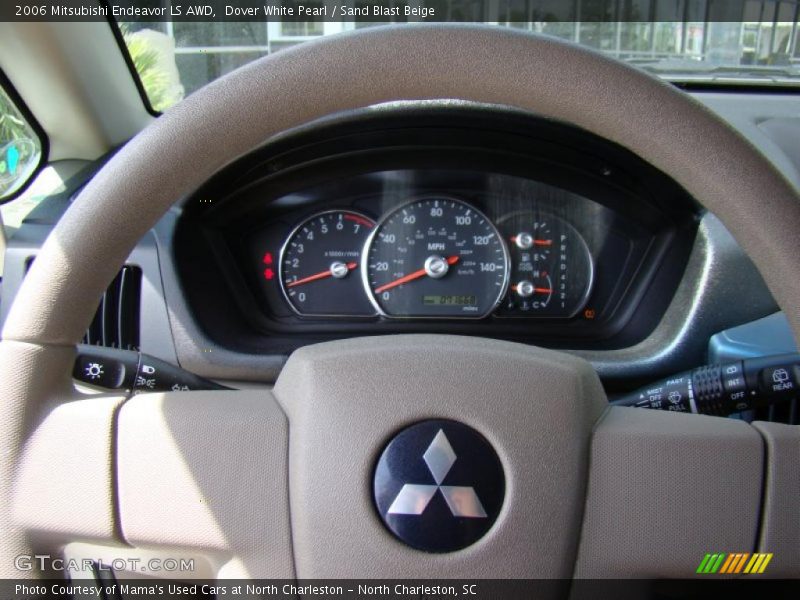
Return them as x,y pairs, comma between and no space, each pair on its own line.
365,408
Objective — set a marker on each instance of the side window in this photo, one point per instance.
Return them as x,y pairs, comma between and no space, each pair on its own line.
20,148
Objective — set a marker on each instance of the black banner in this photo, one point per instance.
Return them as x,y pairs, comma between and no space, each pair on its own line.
109,588
400,11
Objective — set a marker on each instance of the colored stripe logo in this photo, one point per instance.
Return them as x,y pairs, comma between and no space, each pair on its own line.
733,563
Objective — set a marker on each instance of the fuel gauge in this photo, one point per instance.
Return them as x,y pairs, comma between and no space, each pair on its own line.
551,267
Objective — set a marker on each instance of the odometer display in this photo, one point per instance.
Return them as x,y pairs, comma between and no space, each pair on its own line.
450,300
436,257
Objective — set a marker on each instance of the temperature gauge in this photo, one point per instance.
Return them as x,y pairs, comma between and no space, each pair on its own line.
551,267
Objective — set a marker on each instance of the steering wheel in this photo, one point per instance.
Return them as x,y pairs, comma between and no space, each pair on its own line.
280,483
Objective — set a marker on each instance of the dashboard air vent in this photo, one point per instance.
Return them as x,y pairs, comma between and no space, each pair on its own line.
116,322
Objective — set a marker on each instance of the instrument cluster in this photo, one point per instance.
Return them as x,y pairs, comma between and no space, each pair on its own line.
437,257
513,249
447,220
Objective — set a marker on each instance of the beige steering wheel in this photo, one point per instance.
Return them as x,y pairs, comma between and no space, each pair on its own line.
278,483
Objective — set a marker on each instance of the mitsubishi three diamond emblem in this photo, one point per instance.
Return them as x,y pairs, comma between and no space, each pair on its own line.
439,486
413,498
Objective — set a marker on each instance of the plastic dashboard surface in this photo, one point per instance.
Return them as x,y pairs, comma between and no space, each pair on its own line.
459,220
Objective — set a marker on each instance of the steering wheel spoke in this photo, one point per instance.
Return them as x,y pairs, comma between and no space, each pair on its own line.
58,485
207,470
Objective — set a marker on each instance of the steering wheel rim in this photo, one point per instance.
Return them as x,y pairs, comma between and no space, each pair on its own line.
241,111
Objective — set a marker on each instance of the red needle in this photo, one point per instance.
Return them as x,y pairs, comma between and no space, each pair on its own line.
410,277
320,275
535,290
535,242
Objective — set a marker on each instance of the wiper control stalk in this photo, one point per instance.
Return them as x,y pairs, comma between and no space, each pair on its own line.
723,389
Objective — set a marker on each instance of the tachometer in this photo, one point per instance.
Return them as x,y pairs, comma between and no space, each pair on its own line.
436,257
319,265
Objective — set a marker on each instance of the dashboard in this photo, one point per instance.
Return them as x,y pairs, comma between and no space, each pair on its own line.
665,276
457,220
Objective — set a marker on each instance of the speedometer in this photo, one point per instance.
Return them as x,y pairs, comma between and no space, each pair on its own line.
436,257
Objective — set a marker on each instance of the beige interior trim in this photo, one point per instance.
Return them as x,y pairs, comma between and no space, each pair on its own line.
207,470
64,485
75,81
33,379
662,486
780,525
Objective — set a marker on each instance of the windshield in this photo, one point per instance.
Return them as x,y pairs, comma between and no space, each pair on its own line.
176,57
